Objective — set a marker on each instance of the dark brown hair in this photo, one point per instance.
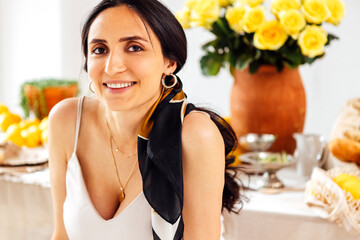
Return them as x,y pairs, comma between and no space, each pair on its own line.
174,47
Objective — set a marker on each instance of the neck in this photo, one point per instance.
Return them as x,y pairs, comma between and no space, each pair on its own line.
124,126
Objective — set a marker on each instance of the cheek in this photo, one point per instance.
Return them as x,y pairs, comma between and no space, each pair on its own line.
151,69
94,69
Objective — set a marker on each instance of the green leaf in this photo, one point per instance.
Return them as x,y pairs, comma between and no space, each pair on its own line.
254,66
331,37
221,28
211,63
270,57
248,39
243,60
210,44
289,64
236,42
279,66
232,70
257,54
310,60
295,58
232,59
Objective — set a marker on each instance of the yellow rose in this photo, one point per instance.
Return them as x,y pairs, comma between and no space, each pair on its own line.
253,18
283,5
225,3
205,13
270,36
183,16
315,11
312,41
234,16
293,22
252,3
337,11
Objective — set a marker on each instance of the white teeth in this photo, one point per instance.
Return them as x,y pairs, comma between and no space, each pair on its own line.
118,85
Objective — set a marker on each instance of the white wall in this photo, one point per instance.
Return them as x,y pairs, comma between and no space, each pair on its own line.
43,39
73,14
29,45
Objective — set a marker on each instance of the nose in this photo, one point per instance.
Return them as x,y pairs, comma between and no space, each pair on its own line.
114,64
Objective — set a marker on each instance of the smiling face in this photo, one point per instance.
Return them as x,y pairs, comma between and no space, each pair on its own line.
125,61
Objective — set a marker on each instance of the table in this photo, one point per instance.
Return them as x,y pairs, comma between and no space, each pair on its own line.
25,207
26,212
280,216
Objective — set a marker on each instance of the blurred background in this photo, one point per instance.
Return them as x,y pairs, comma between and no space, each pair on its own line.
41,39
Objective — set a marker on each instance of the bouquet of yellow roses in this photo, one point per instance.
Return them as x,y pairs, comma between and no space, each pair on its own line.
246,37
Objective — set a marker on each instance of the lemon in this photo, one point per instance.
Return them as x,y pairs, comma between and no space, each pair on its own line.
44,136
29,122
13,134
7,118
3,108
32,136
353,187
44,124
344,177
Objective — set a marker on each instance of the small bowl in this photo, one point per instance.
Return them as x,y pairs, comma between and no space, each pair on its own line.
257,142
270,167
257,158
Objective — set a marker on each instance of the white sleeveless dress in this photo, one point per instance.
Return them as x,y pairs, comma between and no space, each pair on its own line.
81,219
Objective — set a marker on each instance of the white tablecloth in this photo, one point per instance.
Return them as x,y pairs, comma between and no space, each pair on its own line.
26,213
25,207
282,216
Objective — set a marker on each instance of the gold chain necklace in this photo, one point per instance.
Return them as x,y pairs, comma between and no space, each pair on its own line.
122,188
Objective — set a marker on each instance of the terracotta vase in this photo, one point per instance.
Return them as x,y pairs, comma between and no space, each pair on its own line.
269,102
52,95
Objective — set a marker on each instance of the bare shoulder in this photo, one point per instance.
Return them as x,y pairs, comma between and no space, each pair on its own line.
62,123
200,135
63,114
198,126
62,109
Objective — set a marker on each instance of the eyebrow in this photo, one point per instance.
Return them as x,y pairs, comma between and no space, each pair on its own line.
123,39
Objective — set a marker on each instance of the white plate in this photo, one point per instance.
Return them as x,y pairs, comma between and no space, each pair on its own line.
28,156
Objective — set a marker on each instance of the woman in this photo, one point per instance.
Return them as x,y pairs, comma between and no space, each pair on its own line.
128,164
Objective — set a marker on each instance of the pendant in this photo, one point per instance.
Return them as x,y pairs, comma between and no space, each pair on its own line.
121,195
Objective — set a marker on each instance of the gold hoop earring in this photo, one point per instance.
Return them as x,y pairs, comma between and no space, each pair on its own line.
175,81
90,83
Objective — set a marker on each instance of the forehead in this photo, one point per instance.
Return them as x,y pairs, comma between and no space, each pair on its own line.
119,21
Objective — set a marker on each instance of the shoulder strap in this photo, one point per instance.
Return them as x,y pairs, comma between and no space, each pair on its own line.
78,120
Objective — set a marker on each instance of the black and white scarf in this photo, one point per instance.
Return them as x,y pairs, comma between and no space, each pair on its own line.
160,162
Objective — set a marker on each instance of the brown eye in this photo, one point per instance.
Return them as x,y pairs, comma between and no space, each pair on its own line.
99,50
135,48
